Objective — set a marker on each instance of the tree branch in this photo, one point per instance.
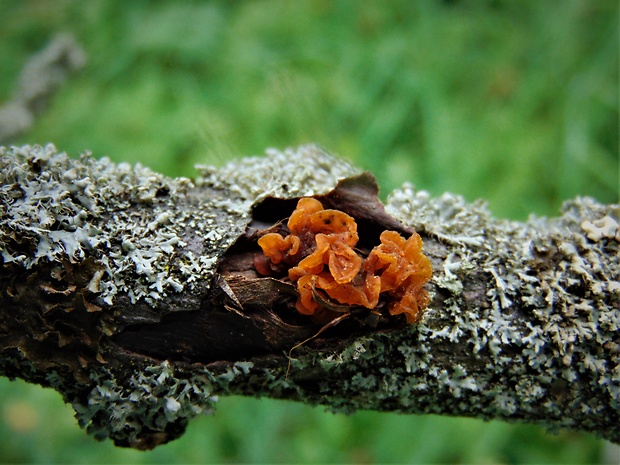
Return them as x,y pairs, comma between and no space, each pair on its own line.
39,80
131,294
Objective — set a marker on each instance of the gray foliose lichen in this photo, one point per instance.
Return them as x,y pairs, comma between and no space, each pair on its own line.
540,344
534,338
551,315
59,208
153,236
136,222
150,400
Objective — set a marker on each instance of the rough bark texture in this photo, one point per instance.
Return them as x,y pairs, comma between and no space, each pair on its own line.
131,294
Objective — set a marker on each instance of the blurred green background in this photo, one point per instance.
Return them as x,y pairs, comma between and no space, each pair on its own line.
513,101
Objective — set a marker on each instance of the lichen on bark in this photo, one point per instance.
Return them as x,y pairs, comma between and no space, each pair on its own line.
126,291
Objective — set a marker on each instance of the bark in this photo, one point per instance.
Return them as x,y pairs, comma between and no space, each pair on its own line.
134,296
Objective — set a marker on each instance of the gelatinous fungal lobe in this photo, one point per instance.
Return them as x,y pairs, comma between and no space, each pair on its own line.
404,270
319,255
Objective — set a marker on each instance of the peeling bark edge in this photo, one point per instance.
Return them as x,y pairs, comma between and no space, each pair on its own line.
523,325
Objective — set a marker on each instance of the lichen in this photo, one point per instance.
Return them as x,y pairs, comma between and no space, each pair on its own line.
549,317
139,223
527,328
553,300
127,410
62,208
300,172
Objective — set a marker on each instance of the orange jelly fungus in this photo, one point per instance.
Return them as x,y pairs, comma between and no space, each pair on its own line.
319,254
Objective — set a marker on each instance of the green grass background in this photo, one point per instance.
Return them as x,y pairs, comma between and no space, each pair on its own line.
512,101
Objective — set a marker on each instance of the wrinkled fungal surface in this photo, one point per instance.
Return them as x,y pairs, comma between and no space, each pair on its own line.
100,261
319,249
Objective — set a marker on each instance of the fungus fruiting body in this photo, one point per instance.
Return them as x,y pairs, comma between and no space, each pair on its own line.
319,255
